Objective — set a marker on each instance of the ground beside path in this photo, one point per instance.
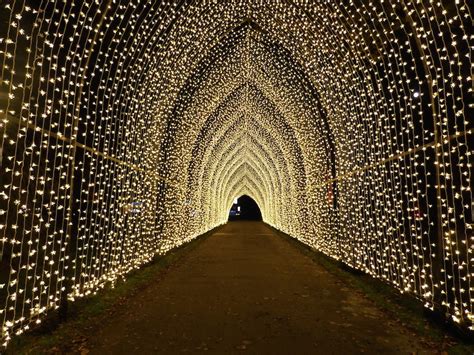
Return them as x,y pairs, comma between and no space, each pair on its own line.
247,289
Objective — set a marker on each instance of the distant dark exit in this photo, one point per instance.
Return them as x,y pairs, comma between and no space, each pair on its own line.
245,208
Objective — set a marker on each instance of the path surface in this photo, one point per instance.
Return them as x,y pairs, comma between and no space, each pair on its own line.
245,289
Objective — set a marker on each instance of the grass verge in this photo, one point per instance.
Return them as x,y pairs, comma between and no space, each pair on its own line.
85,315
88,314
403,308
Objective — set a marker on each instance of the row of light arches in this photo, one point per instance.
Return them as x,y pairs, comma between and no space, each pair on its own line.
129,127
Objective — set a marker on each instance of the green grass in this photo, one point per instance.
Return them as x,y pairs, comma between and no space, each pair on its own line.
85,315
403,308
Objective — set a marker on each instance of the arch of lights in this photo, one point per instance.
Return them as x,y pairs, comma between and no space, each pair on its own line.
128,127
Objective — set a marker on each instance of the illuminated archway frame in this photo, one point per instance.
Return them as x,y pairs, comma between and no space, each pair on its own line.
428,270
244,128
359,65
203,87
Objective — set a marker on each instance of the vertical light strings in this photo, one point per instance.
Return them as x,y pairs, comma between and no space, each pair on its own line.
128,128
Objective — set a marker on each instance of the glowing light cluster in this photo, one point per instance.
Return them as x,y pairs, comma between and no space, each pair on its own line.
129,127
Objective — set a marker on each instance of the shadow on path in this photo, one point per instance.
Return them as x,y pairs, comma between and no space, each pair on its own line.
245,289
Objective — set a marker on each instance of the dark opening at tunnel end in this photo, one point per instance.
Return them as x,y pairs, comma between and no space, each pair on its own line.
245,209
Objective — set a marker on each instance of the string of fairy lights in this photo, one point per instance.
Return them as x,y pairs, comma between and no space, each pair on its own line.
129,127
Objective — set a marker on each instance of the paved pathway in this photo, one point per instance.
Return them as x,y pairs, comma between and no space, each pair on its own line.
244,289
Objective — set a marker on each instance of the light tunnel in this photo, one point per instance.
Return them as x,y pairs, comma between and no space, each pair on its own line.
129,127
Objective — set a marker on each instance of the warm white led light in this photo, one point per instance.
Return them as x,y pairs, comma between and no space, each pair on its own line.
129,127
